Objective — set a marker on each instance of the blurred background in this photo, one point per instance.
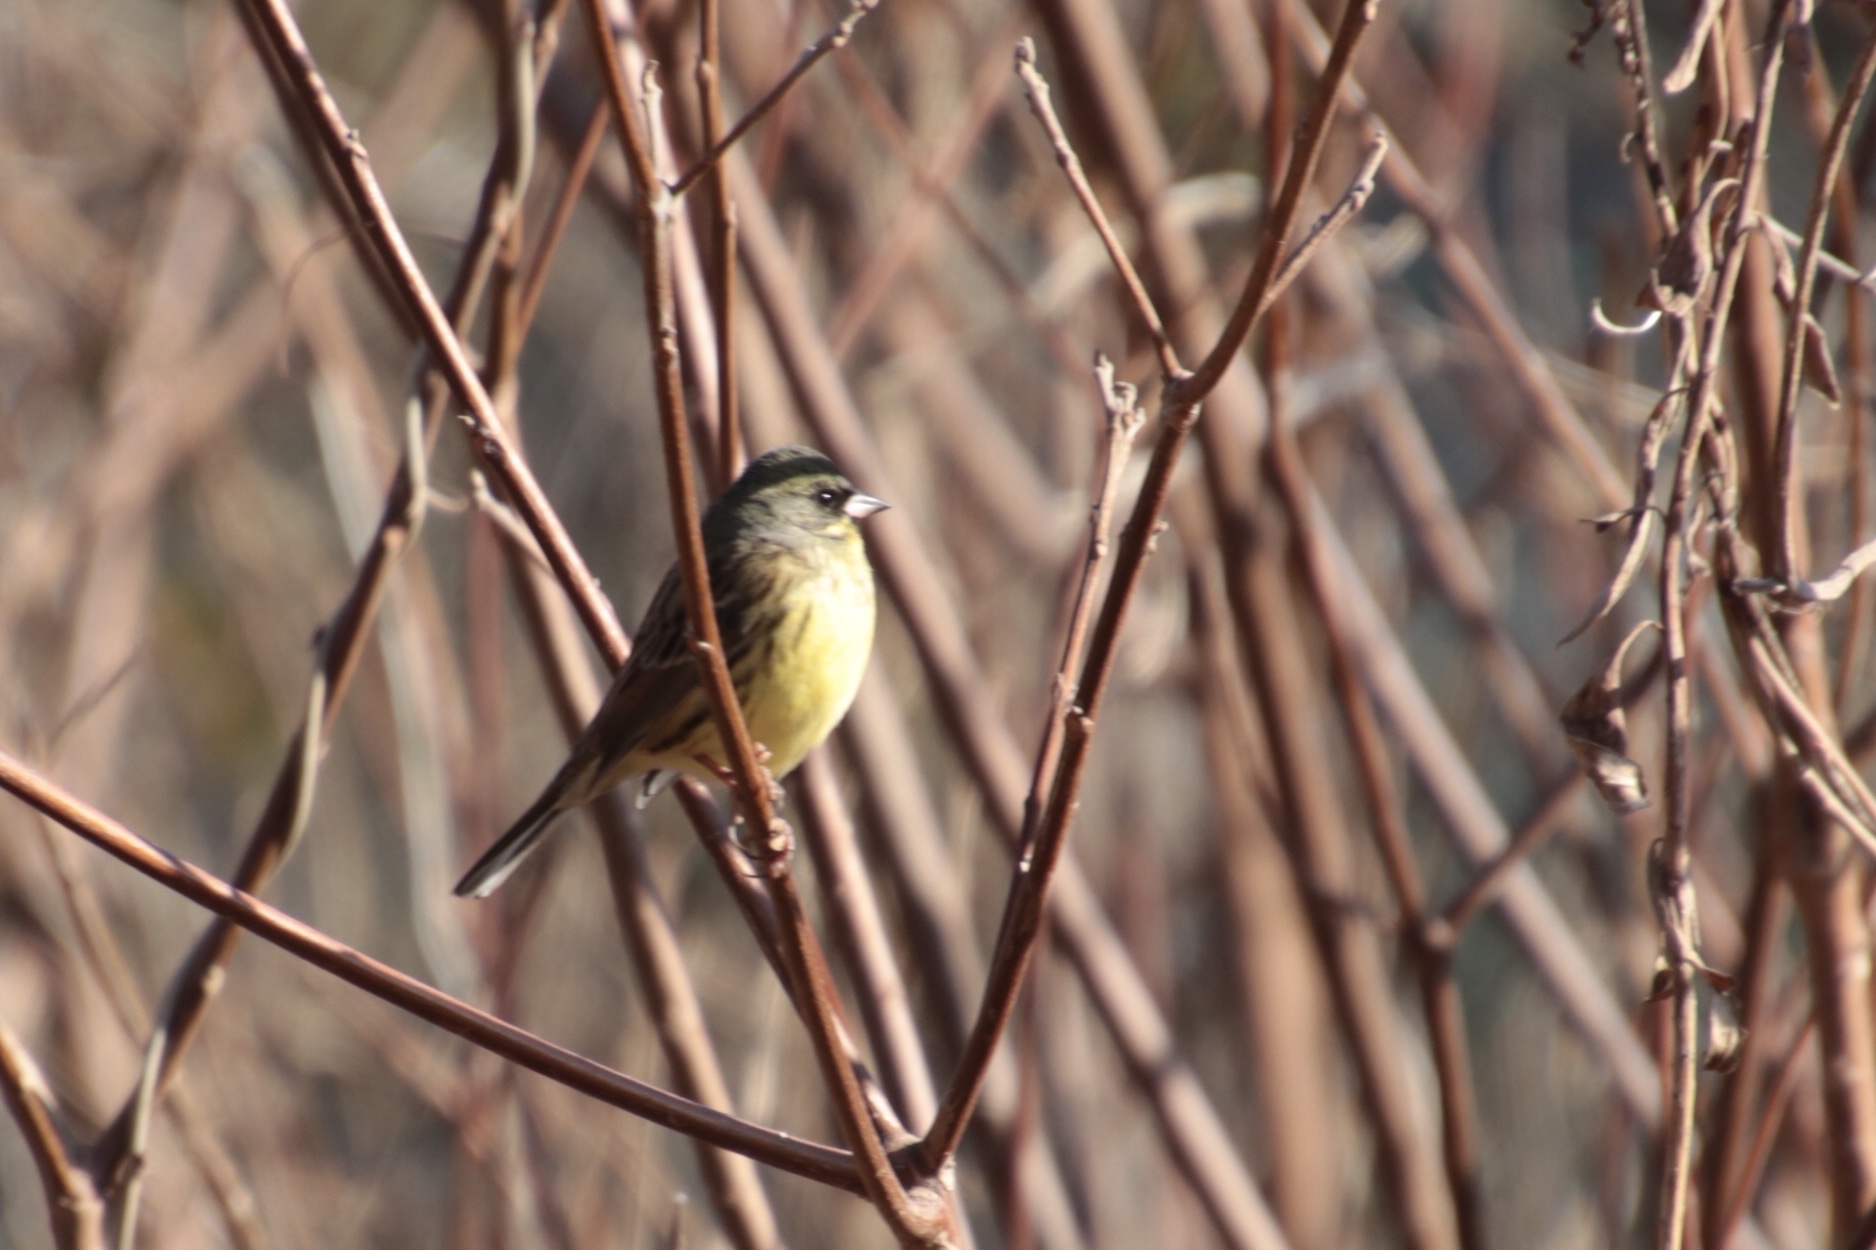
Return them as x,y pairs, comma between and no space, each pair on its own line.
201,399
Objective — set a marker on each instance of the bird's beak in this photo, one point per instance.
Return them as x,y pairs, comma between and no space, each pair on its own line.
861,505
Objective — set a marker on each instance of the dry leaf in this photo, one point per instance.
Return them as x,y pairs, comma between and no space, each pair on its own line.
1726,1037
1640,515
1597,731
1681,277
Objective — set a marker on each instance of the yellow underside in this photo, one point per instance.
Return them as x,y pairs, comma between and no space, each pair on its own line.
814,664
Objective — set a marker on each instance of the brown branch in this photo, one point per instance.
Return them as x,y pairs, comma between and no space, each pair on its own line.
1194,1131
859,929
343,147
1375,770
1029,890
564,204
915,1218
305,127
1670,878
820,1163
1274,248
834,40
75,1210
1036,90
1478,892
1788,497
1125,420
729,457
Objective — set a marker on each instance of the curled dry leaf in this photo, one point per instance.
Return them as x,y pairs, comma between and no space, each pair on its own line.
1661,983
1726,1037
1677,283
1597,731
1641,516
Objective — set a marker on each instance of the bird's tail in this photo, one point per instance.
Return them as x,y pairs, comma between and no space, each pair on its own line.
513,847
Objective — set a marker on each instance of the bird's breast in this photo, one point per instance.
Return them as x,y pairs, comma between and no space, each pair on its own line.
818,653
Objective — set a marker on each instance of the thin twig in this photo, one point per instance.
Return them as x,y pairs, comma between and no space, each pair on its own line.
1478,892
1828,261
564,204
834,40
1771,1119
72,1202
1630,29
144,1109
1274,249
729,457
1125,420
1352,201
1827,589
1036,90
1788,497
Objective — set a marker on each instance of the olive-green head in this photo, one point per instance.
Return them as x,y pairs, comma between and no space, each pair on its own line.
788,494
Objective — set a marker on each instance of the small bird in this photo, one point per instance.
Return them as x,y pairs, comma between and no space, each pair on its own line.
794,603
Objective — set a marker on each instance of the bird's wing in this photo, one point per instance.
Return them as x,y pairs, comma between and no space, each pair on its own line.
657,680
657,701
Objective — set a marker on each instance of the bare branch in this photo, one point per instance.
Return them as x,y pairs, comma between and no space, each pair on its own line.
1784,564
1357,16
834,40
72,1199
916,1218
782,1150
1024,908
1036,90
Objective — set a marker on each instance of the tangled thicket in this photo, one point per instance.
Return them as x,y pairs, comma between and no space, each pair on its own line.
1377,919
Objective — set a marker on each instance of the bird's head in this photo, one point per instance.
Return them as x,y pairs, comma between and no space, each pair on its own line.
792,490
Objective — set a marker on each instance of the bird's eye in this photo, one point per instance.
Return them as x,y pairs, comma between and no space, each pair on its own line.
827,497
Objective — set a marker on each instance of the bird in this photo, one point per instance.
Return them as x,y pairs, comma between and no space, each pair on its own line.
794,605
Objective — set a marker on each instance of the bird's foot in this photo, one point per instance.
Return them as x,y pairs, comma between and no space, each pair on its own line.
778,797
